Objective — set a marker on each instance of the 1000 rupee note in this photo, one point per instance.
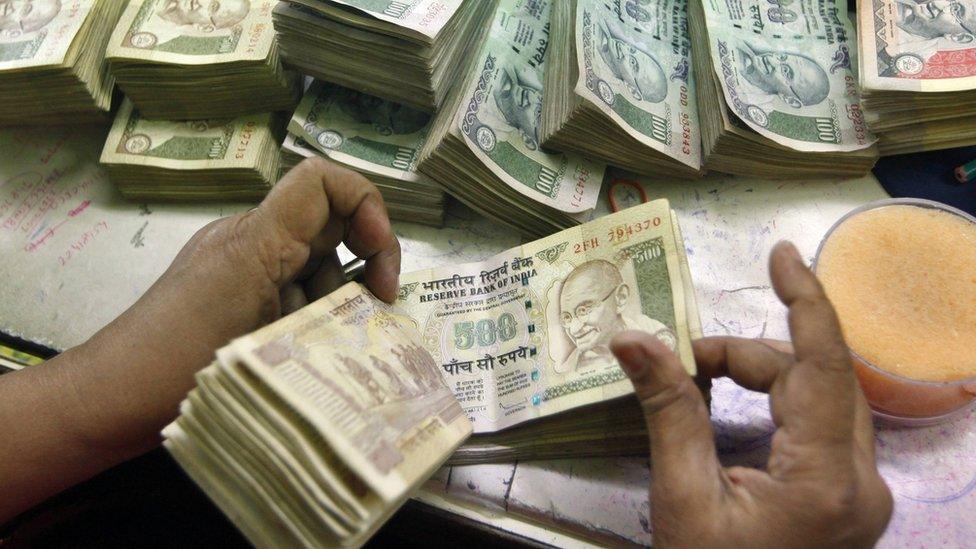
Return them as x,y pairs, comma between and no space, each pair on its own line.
353,369
500,114
525,333
359,130
39,33
191,144
177,31
788,71
923,46
635,65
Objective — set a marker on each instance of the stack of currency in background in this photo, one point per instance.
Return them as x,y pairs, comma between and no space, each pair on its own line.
619,86
918,73
52,61
313,430
777,89
407,52
222,159
372,136
179,60
484,146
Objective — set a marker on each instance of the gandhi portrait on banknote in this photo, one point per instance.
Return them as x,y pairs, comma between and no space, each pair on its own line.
18,17
799,80
518,95
204,15
592,305
953,20
633,63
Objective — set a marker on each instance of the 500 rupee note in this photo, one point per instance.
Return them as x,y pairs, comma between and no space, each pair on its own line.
525,333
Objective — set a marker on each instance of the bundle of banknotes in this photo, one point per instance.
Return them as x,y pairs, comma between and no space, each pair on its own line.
52,61
213,159
619,86
375,137
484,146
407,52
777,89
918,73
313,430
181,60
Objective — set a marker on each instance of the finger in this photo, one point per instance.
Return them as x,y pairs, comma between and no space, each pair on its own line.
317,191
327,279
684,466
815,404
292,298
750,363
382,272
814,327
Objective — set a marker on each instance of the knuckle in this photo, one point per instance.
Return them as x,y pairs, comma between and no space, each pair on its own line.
837,502
655,399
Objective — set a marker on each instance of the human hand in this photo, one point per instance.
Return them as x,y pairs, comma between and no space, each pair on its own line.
821,487
241,272
115,392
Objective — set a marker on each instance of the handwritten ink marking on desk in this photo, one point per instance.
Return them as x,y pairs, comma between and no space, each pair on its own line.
53,149
78,245
138,240
45,234
79,208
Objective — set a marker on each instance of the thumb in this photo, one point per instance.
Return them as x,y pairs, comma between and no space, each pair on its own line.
685,471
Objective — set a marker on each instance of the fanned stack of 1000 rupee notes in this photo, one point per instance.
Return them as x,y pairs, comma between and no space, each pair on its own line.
314,429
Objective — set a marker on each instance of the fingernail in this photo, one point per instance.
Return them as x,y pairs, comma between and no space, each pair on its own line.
632,359
790,250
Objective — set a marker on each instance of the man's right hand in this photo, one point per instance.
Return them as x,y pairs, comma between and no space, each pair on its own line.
820,488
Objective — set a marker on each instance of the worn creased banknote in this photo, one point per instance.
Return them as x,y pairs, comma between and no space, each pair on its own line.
918,45
525,333
423,17
314,429
40,32
186,145
192,32
634,61
788,70
353,368
369,134
500,114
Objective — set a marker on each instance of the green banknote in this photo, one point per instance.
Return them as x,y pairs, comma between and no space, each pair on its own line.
526,333
424,17
193,32
39,32
500,115
788,70
634,60
186,145
368,134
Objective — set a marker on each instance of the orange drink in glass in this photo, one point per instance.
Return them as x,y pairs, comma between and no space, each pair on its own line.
901,274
